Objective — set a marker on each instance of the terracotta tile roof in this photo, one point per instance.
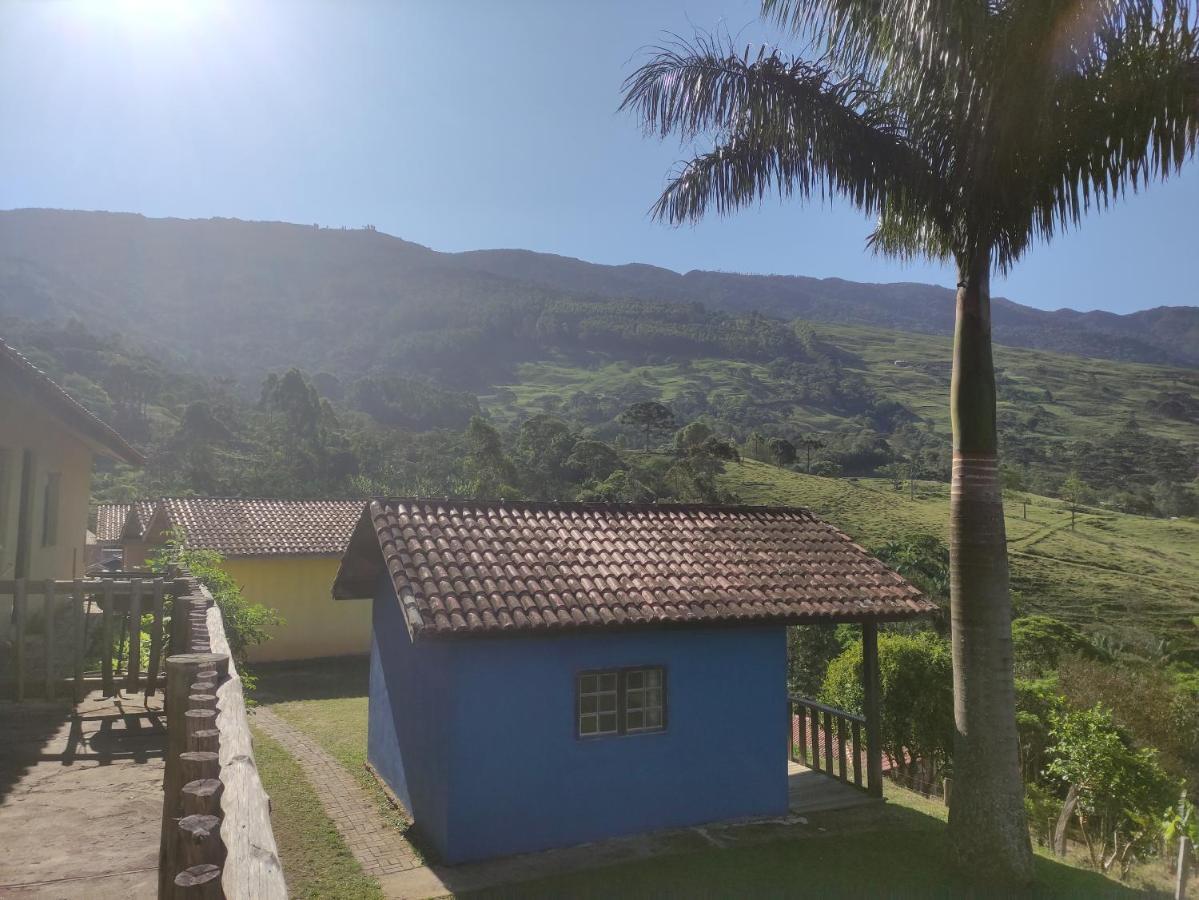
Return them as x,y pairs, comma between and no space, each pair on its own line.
111,519
65,407
486,567
237,526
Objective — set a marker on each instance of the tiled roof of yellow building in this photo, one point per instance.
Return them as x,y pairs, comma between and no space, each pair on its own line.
237,526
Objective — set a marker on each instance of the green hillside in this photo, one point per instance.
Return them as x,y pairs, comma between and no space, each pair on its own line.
1135,579
1080,397
1073,397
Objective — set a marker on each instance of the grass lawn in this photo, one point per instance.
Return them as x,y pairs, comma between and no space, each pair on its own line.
1135,578
897,849
316,861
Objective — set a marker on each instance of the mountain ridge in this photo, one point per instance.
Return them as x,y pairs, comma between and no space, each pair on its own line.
154,277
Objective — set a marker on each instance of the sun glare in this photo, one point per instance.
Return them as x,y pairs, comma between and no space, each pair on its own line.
151,15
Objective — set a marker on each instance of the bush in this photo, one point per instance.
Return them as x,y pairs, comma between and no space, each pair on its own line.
246,623
916,686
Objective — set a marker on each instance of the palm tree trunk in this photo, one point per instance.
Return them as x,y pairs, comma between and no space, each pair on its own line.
987,823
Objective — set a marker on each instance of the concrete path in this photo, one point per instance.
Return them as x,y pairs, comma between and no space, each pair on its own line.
375,843
81,798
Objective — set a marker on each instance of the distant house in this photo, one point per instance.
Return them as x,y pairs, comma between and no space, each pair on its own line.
47,444
120,528
550,674
284,554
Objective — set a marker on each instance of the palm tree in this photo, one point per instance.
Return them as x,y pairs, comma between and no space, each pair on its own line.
970,129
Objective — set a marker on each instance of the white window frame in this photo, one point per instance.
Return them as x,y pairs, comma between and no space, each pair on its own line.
634,694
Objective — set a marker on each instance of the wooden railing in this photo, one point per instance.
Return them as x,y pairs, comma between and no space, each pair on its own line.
829,740
71,605
217,840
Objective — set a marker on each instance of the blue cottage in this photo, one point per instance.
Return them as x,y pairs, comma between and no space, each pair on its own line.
546,674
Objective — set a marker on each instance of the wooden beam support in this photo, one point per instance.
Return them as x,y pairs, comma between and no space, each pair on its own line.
134,664
106,641
155,640
48,602
870,686
20,615
79,611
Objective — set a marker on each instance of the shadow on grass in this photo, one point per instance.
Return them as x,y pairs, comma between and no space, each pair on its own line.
894,852
330,678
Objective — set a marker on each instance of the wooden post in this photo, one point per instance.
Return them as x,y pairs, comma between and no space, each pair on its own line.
200,841
181,672
20,613
80,613
828,742
204,740
856,737
106,640
202,797
48,632
155,641
874,747
198,883
1184,859
196,765
842,751
801,732
815,736
133,669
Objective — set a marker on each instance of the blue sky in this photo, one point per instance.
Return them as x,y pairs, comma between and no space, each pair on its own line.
459,125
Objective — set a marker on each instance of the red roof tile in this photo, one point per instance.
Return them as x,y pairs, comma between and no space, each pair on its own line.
484,567
235,526
111,519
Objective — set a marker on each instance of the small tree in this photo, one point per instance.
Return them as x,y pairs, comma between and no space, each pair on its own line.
1118,792
691,436
649,417
783,451
1072,490
811,443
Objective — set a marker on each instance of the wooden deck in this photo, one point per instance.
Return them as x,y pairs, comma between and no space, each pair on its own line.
811,791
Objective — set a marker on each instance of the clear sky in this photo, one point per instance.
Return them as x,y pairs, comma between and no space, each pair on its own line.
459,125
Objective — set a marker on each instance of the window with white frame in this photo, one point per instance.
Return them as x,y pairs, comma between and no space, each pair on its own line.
621,701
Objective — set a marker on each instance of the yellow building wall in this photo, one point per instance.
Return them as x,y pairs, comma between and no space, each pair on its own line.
57,450
314,623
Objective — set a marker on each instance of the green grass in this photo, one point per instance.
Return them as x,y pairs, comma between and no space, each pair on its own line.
899,851
316,861
896,849
1133,577
328,700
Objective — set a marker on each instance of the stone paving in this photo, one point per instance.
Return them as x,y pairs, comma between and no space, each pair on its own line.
81,798
375,843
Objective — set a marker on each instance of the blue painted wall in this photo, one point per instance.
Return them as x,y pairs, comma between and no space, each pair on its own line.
410,715
489,762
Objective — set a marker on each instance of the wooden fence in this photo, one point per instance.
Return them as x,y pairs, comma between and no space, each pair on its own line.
70,634
829,740
216,828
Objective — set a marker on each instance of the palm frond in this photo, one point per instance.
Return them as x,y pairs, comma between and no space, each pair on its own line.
1118,108
785,125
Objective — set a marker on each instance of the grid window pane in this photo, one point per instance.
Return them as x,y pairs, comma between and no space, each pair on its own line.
597,703
621,702
643,700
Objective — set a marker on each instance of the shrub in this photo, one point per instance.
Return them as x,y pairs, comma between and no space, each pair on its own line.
246,622
916,686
